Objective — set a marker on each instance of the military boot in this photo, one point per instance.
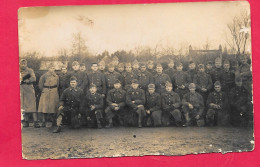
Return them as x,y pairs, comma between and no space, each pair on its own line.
25,124
36,125
57,130
110,125
99,126
43,124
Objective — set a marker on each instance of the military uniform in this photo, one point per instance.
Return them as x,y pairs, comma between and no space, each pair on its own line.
98,79
160,81
64,82
227,80
216,74
82,78
181,78
111,77
145,79
192,73
203,80
153,104
128,80
170,72
246,75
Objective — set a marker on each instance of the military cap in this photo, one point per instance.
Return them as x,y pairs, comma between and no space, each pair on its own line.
82,64
93,63
201,66
135,62
218,59
150,62
92,85
23,61
178,64
75,63
192,85
170,61
226,62
102,62
217,83
51,65
191,62
111,65
168,84
158,65
142,64
117,81
128,64
121,65
151,86
243,56
135,81
63,66
73,78
238,79
209,62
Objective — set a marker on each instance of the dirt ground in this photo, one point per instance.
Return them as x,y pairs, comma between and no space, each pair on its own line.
130,141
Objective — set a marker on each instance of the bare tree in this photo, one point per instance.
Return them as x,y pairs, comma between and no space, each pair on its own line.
78,44
207,45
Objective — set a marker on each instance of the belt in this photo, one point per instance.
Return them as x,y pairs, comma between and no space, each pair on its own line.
23,83
50,87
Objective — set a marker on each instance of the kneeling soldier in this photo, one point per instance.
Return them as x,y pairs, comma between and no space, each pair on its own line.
135,99
94,106
170,103
217,107
153,106
115,104
70,104
193,107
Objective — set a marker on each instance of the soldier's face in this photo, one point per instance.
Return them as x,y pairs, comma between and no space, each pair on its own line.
244,60
128,68
75,67
192,90
179,68
192,66
93,90
159,70
94,67
209,66
134,85
51,69
73,83
239,83
150,66
23,65
101,67
83,68
111,69
117,85
64,70
202,70
218,64
135,66
168,88
151,90
143,68
226,67
217,88
171,65
120,69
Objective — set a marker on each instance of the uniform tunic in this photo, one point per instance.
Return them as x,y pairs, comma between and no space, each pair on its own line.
203,80
95,100
98,79
191,74
181,78
49,99
111,78
27,93
170,72
151,71
81,79
216,74
145,79
153,103
160,81
64,82
244,69
227,80
128,79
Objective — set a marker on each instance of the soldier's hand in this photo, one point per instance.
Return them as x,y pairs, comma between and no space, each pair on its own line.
140,106
92,107
116,108
218,107
60,108
197,117
182,86
133,102
114,104
88,118
190,106
79,116
204,89
148,111
212,105
103,95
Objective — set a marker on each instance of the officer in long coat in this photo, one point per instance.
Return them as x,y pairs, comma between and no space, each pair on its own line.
160,79
27,93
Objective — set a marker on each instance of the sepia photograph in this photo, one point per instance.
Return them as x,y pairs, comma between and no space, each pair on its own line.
134,80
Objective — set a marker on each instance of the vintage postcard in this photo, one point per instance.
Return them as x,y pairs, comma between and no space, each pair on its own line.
135,80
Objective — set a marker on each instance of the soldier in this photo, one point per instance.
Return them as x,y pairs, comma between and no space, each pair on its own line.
136,66
181,80
192,70
135,99
203,82
129,76
81,76
217,101
217,71
240,102
97,78
83,68
227,79
246,74
193,107
49,100
64,79
209,68
121,69
94,107
150,67
70,106
111,76
102,66
145,78
171,103
153,106
115,104
27,93
170,71
160,79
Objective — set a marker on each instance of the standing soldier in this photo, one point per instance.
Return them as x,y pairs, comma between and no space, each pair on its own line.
203,82
129,76
121,69
64,79
171,103
227,79
193,107
81,76
94,107
135,99
153,107
28,101
115,104
145,78
83,68
102,66
136,66
217,101
209,68
70,106
246,74
170,71
217,71
97,78
160,79
49,100
181,80
150,67
111,76
192,70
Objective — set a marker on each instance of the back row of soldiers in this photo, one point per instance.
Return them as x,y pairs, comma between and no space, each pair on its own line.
136,95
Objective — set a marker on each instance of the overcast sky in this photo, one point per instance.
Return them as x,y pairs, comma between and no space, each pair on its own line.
117,27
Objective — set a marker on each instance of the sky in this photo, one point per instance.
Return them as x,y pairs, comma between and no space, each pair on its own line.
125,27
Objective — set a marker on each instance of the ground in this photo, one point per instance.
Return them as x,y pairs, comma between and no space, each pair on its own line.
130,141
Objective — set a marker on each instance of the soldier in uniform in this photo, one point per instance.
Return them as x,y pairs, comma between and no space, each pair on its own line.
246,74
240,102
203,82
217,101
153,107
64,79
171,103
111,76
121,69
192,70
81,76
83,68
129,76
49,100
145,78
97,78
160,79
27,93
94,107
135,99
193,107
150,67
227,79
136,66
181,80
102,66
217,71
70,106
209,68
115,104
170,71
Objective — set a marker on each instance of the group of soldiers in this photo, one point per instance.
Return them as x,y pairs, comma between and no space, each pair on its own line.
140,94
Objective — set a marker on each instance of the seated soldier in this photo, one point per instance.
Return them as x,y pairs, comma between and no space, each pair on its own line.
135,99
115,104
193,107
217,107
153,107
94,106
240,102
171,103
70,105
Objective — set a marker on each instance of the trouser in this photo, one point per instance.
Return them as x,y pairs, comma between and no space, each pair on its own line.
135,116
167,115
111,113
26,116
71,114
221,116
154,118
96,117
190,116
